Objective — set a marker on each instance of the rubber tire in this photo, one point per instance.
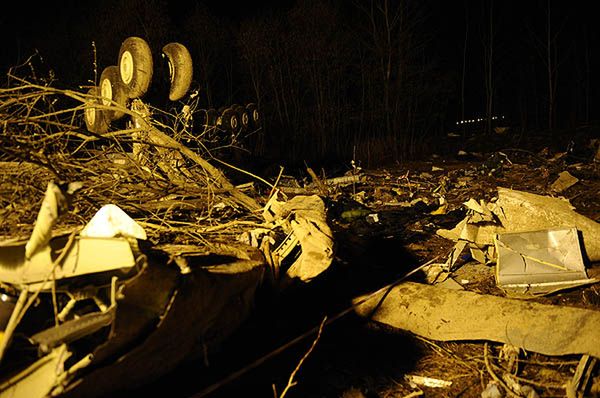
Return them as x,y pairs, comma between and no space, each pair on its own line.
229,120
254,114
211,117
112,88
95,119
243,117
135,66
180,69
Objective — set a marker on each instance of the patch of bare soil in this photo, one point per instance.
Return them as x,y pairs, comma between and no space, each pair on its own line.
384,227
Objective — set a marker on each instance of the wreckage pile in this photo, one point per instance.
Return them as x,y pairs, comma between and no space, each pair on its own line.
123,251
519,267
42,139
489,231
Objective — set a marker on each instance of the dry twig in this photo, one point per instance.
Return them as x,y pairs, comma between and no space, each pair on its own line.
291,382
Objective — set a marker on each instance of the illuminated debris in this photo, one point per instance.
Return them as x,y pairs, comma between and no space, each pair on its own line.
108,307
415,381
455,315
109,222
304,224
533,239
564,181
540,262
518,211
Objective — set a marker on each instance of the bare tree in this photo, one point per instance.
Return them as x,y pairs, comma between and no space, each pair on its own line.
488,35
547,46
464,63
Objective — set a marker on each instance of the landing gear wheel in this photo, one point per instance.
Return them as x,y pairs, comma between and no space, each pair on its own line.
135,66
252,110
95,118
211,118
180,69
113,90
243,117
228,120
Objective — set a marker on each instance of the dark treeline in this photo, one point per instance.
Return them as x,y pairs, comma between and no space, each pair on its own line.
371,80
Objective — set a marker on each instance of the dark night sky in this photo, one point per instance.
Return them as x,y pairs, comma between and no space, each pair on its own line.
44,26
34,25
34,22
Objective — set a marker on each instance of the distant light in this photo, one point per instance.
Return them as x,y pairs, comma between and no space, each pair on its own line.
3,297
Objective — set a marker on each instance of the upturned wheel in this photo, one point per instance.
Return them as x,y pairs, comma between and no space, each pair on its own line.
180,69
228,120
135,66
96,120
211,117
243,116
254,114
113,90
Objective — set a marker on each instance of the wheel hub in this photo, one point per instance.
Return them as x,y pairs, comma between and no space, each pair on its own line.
126,67
106,92
90,115
171,72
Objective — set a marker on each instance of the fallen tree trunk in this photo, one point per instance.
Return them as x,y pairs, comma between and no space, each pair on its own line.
448,315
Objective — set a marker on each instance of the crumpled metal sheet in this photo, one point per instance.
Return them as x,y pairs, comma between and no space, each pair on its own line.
39,379
540,262
454,315
111,221
518,211
306,218
53,204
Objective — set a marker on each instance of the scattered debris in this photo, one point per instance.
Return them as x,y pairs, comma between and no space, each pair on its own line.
303,221
71,318
92,300
518,211
579,384
540,262
454,315
109,222
564,181
492,390
426,381
373,218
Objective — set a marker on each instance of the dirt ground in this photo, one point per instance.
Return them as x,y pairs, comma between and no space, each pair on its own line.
384,227
354,357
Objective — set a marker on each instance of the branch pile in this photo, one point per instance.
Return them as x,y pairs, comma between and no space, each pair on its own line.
171,189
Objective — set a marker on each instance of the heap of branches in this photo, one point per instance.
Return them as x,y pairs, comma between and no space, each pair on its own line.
43,137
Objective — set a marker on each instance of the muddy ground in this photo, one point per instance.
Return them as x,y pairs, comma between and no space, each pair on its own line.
357,358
